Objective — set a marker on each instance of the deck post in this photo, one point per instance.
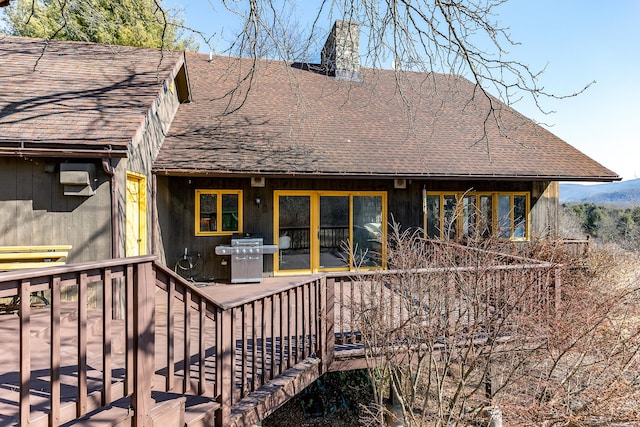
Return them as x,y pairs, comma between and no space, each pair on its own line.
25,351
224,360
327,326
143,343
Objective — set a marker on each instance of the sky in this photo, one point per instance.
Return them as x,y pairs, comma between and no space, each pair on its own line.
576,41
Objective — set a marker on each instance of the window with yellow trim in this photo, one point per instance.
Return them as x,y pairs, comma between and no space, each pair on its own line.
218,212
456,215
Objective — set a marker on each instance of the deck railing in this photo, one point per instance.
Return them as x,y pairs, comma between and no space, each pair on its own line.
461,288
75,373
174,340
226,351
577,248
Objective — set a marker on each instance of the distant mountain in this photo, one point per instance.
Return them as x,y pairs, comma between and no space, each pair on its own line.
624,193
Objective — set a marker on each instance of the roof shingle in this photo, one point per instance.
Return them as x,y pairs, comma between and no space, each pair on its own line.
290,120
61,94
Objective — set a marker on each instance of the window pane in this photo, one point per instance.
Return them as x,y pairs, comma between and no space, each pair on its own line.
485,224
519,216
433,217
504,216
367,231
334,231
208,212
469,216
450,216
294,242
229,212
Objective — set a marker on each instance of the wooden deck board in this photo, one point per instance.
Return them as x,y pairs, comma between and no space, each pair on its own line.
238,293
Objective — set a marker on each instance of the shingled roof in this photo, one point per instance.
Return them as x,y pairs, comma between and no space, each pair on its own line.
293,119
71,99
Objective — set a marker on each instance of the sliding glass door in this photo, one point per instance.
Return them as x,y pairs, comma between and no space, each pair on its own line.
333,236
329,231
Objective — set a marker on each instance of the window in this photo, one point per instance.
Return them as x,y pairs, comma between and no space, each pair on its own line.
218,212
453,215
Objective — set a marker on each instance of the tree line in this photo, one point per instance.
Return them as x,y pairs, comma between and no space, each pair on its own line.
607,224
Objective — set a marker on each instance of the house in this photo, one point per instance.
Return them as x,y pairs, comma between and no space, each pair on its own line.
125,151
117,151
80,125
319,154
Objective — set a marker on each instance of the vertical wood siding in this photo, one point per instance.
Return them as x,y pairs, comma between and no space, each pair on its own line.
34,210
176,209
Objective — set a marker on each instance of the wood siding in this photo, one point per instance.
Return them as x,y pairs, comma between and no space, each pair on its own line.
176,209
144,149
35,211
545,210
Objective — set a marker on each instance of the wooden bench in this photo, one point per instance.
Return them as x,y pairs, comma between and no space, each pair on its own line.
24,257
21,257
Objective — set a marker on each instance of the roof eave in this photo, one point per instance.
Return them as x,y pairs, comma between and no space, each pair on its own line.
364,175
65,152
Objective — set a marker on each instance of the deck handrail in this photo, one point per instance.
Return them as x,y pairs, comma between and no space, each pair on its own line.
246,342
487,252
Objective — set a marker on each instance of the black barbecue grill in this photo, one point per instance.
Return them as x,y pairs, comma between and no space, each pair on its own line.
246,258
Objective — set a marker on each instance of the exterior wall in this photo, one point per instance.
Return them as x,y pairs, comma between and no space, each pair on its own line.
144,149
545,210
35,211
176,209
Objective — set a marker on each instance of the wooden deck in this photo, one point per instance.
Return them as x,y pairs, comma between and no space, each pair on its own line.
154,349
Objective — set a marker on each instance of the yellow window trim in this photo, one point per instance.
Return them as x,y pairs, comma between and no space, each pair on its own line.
315,225
494,211
219,218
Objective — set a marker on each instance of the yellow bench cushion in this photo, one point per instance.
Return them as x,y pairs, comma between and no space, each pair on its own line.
21,257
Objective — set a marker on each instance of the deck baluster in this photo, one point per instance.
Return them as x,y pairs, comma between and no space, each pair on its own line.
186,336
82,345
202,346
25,352
54,415
129,317
107,312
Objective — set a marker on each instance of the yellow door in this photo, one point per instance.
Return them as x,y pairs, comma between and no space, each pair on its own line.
136,209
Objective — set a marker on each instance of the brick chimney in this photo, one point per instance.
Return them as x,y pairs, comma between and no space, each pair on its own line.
340,54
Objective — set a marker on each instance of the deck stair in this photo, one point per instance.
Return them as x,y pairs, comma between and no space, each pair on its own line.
167,409
261,403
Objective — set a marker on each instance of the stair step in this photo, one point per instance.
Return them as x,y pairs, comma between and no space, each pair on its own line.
115,415
199,411
167,413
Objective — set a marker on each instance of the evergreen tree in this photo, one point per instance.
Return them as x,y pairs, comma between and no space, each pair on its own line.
126,22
